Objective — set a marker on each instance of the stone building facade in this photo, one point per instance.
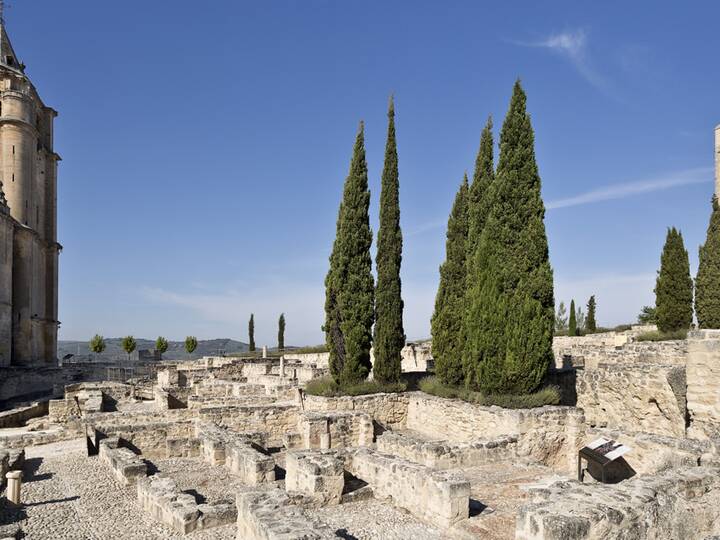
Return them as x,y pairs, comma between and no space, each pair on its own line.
28,219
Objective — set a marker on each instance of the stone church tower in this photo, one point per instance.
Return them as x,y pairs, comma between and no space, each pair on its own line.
28,219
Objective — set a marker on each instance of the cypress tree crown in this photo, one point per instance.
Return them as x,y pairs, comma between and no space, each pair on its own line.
590,323
389,335
349,287
479,204
707,283
251,332
511,331
281,331
572,323
446,323
674,287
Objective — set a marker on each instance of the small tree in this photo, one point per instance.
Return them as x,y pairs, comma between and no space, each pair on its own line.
281,332
251,332
674,286
707,282
191,344
590,323
161,345
128,344
97,344
572,324
561,318
648,315
579,321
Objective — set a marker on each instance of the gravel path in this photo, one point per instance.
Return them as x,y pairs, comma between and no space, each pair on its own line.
68,495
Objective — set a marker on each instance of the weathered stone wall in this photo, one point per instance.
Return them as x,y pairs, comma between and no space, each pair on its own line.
125,465
160,497
703,383
548,434
321,360
438,497
269,514
318,474
678,504
17,417
634,397
446,455
275,420
389,410
652,453
335,430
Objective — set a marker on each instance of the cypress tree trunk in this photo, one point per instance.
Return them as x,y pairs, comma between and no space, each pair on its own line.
590,323
512,329
281,332
707,283
674,287
349,287
446,323
251,332
572,323
389,335
479,204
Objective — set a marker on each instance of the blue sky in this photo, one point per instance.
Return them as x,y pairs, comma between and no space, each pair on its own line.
204,145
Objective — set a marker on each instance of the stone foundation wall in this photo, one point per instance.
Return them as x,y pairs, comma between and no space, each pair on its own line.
389,410
126,466
703,383
445,455
61,411
275,420
632,397
268,514
335,430
17,417
651,453
676,504
160,497
550,435
317,474
437,497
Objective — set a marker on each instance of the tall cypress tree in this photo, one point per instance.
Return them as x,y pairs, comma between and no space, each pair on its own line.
281,332
251,332
590,323
446,324
510,333
349,287
572,323
674,286
707,283
389,335
479,204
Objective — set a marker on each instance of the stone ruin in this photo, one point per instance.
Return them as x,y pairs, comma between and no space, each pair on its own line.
234,448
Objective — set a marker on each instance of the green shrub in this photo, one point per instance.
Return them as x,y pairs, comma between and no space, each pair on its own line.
307,350
327,387
656,335
549,395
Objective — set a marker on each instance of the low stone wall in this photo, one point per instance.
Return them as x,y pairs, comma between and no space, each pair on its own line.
321,360
550,434
703,382
17,417
62,411
435,496
317,474
10,460
160,497
652,453
36,438
126,466
251,466
677,504
268,514
446,455
275,420
389,410
634,397
335,430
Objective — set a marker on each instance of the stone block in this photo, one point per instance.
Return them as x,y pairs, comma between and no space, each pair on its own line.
318,474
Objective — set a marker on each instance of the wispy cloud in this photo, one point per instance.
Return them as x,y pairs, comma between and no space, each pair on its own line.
573,46
620,191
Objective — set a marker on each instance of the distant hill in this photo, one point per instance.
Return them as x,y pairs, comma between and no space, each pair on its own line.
176,350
